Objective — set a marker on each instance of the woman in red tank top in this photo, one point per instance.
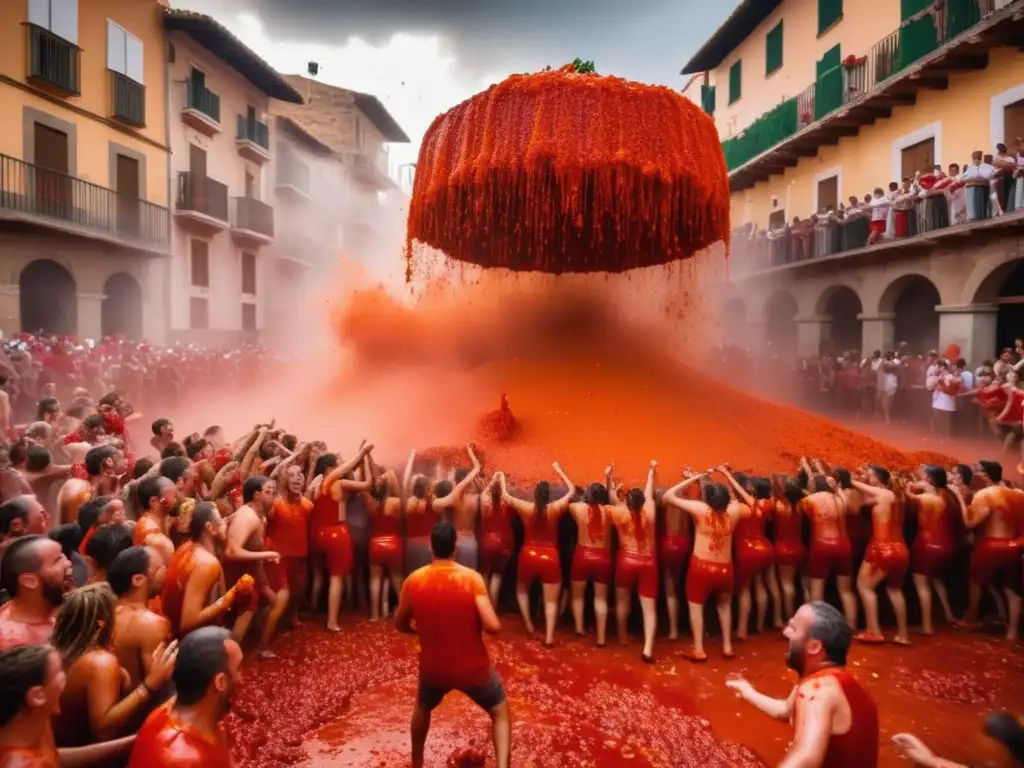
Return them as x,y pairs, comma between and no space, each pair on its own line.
790,550
754,555
384,506
495,536
538,559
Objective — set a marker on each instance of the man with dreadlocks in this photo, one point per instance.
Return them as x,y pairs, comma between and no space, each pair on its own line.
887,558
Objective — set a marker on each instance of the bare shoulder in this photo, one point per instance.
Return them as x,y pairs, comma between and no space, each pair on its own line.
818,691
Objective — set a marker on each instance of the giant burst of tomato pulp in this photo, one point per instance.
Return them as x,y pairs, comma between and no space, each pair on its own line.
562,171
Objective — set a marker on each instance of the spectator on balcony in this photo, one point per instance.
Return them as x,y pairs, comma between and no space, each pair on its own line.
1018,177
1004,167
903,203
879,215
800,232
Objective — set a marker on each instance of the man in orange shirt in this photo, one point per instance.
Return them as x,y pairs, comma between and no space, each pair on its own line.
447,605
288,535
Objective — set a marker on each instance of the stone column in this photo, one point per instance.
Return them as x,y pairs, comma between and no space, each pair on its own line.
877,332
90,315
10,310
972,326
810,333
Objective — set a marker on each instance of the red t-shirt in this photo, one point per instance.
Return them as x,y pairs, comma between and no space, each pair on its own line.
14,633
288,527
442,598
164,743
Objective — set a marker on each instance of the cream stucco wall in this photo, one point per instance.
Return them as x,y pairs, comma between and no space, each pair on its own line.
223,164
965,117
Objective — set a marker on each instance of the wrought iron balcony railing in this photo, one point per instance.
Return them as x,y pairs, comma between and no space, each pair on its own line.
54,61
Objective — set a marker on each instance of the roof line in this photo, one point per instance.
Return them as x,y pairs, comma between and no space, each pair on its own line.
744,19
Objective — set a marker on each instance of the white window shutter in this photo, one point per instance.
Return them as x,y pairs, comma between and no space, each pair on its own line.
134,59
64,19
115,48
39,13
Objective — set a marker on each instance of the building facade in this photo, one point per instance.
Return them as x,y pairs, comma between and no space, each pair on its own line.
223,203
84,167
818,101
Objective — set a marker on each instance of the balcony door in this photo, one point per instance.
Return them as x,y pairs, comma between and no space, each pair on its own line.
128,196
52,183
197,180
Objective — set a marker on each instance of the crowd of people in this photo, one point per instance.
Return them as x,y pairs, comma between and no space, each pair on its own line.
135,571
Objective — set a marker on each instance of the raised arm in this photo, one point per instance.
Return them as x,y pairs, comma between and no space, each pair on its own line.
560,505
339,472
407,475
460,488
221,480
871,491
650,506
777,709
297,455
520,506
253,453
672,496
745,497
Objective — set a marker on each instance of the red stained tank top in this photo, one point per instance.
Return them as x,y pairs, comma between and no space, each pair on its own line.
788,526
497,522
540,531
384,526
858,747
419,525
325,510
753,527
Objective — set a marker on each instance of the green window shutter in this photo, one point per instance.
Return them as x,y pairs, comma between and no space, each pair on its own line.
829,12
773,49
736,81
909,7
828,85
707,98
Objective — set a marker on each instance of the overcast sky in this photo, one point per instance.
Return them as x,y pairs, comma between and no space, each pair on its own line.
421,57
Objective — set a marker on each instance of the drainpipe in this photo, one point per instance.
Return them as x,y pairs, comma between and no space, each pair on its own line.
169,266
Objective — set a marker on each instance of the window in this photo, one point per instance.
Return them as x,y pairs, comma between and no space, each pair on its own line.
773,50
249,273
707,99
828,194
200,264
58,16
777,219
735,81
124,52
830,12
198,313
1013,123
917,157
248,317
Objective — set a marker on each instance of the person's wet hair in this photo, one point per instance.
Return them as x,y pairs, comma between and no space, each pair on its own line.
47,405
325,464
18,452
1004,728
16,509
936,475
20,557
461,474
202,655
69,536
173,449
794,493
442,540
205,512
635,499
290,442
159,424
91,510
37,458
149,489
820,484
881,473
597,494
993,469
128,564
541,496
195,447
717,496
174,468
95,421
443,488
843,478
107,543
22,668
142,466
965,472
762,487
84,621
832,631
252,486
95,458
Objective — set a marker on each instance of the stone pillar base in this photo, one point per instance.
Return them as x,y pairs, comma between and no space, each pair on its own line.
972,327
878,332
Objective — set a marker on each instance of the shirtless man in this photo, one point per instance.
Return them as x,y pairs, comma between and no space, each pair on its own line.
592,561
157,497
636,522
33,676
674,554
245,553
835,720
96,513
42,475
193,594
36,576
464,513
887,558
12,481
163,435
995,514
830,552
22,516
136,576
938,508
710,571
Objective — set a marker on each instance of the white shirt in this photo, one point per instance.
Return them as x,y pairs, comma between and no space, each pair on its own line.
983,171
967,381
879,209
942,401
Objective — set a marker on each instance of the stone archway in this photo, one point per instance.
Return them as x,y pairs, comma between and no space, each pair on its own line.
121,313
1004,286
780,331
48,298
912,302
843,307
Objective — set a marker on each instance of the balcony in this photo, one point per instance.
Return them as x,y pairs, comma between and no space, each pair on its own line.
952,36
35,195
127,100
202,109
252,222
202,203
293,178
368,173
253,140
302,250
53,62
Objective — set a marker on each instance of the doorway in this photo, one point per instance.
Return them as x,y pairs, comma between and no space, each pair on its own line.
48,298
52,182
121,313
128,196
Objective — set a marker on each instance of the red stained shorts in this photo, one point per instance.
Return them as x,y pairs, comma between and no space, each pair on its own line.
637,570
291,573
931,560
790,553
829,556
706,578
386,552
495,553
334,544
673,554
997,558
592,564
539,563
891,558
878,227
752,557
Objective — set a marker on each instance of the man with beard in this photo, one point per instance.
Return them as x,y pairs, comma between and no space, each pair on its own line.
36,576
136,576
835,719
157,497
191,594
185,733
